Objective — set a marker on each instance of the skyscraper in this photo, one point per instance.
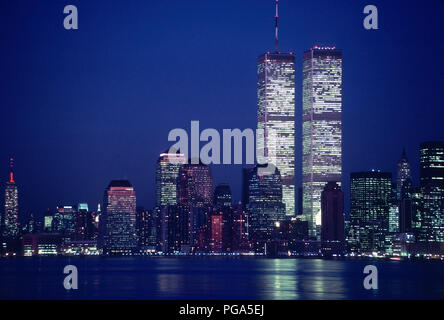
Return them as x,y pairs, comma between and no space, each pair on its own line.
222,195
167,172
403,173
118,233
429,215
265,207
321,127
370,199
10,218
332,229
432,163
275,115
195,185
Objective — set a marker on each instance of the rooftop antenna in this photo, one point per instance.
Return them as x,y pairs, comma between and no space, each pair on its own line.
11,173
276,19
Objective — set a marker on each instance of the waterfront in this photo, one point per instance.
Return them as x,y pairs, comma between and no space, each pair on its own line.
217,278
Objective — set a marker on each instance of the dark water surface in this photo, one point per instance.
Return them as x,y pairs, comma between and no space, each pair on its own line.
217,278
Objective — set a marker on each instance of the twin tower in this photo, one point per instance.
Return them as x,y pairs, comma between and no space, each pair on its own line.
321,124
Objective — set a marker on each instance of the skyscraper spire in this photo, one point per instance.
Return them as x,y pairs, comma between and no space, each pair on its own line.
11,173
276,17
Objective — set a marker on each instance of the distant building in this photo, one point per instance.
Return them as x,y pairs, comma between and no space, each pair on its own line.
63,222
195,185
41,244
265,206
332,223
321,127
167,172
429,222
370,199
146,227
403,174
430,214
9,223
118,234
432,163
222,195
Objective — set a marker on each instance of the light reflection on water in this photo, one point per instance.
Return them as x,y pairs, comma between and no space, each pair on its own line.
217,278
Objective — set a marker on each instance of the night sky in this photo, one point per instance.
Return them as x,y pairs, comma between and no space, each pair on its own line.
82,107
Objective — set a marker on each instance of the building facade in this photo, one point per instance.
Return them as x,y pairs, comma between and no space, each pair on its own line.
222,195
370,201
265,207
9,223
167,171
332,227
195,185
275,116
118,234
321,127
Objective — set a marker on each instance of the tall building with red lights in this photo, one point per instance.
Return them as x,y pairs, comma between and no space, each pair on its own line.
10,219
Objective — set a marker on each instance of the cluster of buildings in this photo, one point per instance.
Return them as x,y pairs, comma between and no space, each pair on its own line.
192,216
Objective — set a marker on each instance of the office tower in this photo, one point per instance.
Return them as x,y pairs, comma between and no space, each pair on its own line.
146,227
275,116
167,171
432,163
431,213
370,200
321,127
239,223
332,227
10,227
429,224
81,222
215,227
394,218
195,185
47,224
265,207
222,195
64,222
118,221
179,235
403,173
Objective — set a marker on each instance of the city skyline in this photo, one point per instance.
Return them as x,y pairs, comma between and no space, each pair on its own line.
75,170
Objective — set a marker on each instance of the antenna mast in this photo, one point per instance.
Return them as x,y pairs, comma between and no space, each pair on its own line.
276,17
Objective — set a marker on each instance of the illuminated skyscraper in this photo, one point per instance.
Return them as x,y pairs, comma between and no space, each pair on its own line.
195,185
403,173
370,200
265,206
432,163
118,234
275,116
10,218
167,172
321,127
430,212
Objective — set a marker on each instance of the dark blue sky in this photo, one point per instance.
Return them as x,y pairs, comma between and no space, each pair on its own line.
80,108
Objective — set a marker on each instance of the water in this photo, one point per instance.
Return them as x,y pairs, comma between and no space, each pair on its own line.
217,278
